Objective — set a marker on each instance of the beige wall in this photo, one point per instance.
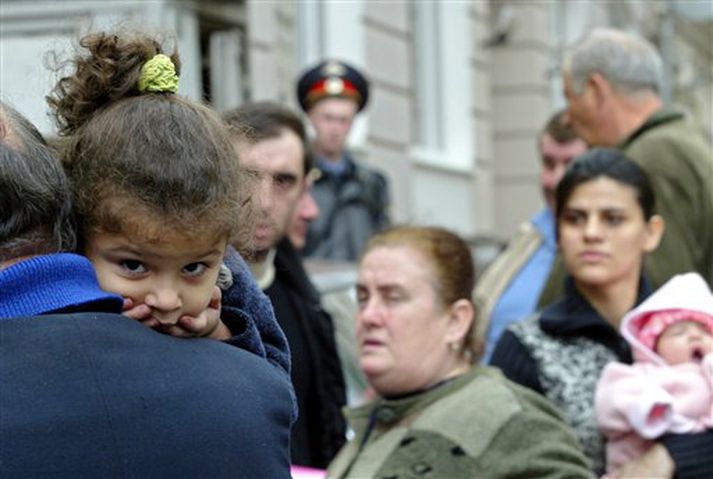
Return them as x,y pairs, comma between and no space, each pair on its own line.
521,103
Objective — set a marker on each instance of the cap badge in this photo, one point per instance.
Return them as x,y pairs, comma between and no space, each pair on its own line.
334,86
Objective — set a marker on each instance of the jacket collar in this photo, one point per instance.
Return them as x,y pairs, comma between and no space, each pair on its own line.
53,283
663,115
573,315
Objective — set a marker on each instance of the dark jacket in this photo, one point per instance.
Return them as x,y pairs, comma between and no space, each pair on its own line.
316,373
92,393
352,207
561,352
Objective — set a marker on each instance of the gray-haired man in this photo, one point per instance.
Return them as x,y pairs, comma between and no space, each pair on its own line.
612,82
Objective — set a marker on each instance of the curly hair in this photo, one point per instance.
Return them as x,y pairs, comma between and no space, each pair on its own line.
158,154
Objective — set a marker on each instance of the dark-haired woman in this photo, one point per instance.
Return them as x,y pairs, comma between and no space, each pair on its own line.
606,225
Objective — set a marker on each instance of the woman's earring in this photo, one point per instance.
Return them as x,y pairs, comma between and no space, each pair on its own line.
454,347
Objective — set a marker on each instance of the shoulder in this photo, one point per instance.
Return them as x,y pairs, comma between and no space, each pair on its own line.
511,421
171,391
668,143
369,175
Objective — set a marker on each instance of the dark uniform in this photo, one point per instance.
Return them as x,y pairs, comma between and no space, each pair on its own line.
353,199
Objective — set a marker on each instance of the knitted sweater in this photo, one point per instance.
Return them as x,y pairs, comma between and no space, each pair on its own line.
54,283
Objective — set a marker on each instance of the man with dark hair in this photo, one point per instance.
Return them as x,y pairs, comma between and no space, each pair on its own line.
270,142
88,392
353,199
508,290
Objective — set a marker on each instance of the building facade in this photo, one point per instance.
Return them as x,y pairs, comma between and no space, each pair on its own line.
459,89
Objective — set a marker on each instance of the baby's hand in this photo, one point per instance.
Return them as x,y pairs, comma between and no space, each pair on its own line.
206,325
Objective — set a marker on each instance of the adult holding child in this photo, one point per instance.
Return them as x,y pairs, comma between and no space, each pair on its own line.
437,413
88,392
606,226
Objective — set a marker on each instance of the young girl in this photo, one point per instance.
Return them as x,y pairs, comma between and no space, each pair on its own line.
668,389
158,193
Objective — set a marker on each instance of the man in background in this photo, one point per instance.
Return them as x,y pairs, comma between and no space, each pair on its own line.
352,198
508,290
270,143
613,84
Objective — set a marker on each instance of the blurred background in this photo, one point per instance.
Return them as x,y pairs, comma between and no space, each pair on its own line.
459,88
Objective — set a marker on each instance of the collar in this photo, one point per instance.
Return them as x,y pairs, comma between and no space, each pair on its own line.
343,167
264,271
544,222
390,411
53,283
573,315
660,116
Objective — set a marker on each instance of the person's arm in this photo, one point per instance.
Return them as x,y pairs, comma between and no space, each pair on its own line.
692,454
249,316
516,362
628,399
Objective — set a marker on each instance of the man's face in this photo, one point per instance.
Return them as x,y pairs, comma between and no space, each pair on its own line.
278,165
332,119
555,158
582,112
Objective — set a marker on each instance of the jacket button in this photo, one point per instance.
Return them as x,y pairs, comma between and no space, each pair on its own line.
421,468
386,414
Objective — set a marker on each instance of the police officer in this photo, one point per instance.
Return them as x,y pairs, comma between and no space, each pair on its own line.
353,199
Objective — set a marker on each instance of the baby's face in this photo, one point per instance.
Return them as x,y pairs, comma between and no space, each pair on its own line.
685,341
173,275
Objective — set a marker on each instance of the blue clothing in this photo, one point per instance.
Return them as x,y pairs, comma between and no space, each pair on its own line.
249,315
519,300
336,168
52,283
97,394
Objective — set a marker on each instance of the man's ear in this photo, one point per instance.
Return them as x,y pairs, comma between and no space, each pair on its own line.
460,316
600,86
655,228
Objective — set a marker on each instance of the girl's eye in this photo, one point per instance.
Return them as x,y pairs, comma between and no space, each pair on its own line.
133,266
195,269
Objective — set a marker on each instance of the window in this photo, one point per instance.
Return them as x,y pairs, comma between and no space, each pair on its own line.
442,84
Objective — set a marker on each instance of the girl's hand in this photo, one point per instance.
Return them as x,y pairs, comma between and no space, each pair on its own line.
206,325
139,312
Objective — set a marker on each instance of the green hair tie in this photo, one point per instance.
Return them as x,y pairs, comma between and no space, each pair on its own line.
158,75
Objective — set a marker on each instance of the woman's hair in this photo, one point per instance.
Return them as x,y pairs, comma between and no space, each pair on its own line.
605,163
452,262
132,154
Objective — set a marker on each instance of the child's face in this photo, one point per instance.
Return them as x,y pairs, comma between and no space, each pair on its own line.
174,276
685,341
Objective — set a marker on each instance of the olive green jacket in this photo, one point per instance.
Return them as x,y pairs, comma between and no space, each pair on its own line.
478,425
679,164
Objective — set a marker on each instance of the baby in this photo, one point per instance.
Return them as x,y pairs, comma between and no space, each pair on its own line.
669,388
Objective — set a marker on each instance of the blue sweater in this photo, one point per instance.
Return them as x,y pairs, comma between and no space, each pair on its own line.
53,283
